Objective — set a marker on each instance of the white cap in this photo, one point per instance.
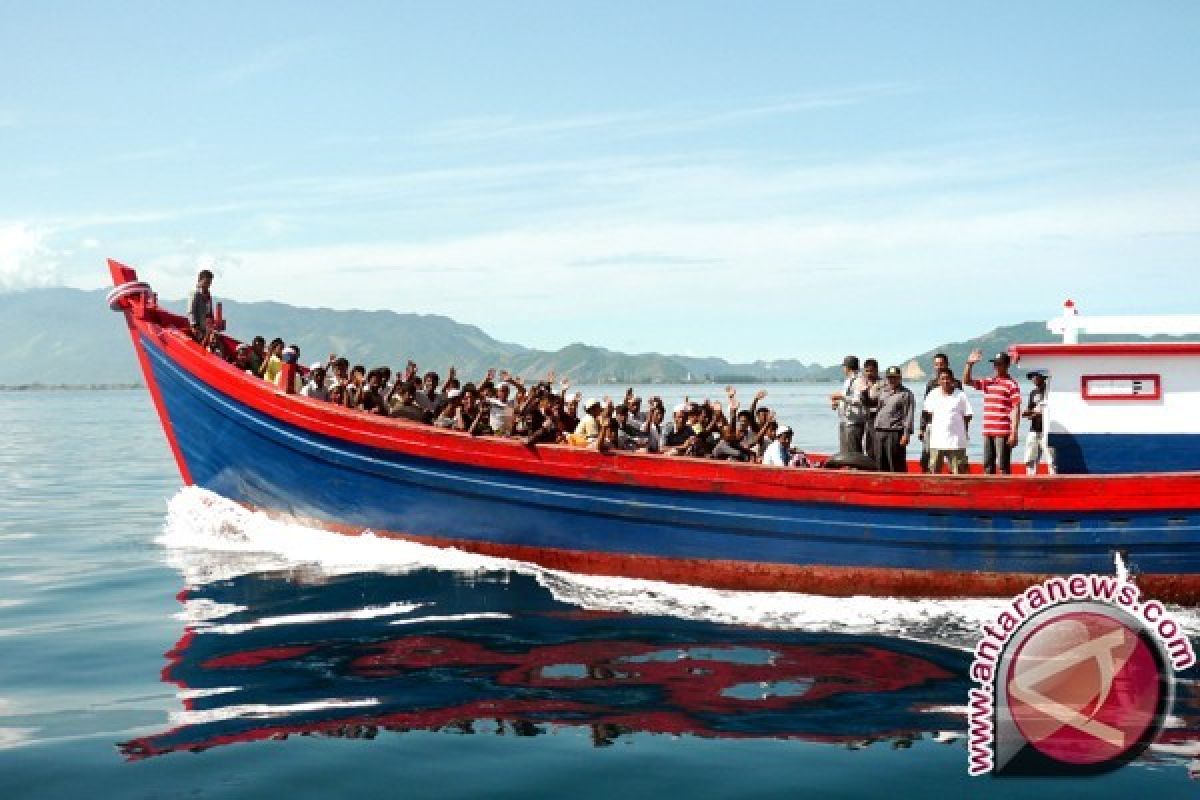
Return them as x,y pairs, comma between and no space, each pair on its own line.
452,393
591,402
316,365
681,408
782,430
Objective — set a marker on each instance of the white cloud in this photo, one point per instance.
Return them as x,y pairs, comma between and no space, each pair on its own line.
629,124
26,261
267,60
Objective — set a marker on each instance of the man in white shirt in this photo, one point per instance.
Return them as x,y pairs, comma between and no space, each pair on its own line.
779,452
950,414
315,386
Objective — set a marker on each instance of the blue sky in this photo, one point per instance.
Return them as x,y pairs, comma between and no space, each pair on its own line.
746,180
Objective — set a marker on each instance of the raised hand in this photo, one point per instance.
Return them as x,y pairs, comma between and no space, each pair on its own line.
491,374
975,357
760,394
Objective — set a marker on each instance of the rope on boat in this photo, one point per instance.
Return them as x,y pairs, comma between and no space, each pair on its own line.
118,295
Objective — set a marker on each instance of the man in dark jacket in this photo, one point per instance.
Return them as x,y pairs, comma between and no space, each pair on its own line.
894,423
200,307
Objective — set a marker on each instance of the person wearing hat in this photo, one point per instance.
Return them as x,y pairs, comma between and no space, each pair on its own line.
893,423
780,452
589,423
852,413
1035,444
1001,411
314,387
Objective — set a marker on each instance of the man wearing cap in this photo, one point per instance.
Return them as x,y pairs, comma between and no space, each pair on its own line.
852,414
893,423
1035,444
779,452
1001,411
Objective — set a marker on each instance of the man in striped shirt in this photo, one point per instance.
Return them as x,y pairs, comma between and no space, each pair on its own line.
1001,411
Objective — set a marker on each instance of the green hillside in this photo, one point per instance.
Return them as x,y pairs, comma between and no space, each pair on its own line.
68,336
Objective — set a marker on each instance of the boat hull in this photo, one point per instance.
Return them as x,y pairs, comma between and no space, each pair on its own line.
708,538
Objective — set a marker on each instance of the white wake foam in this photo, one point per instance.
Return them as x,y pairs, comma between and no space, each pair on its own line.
209,538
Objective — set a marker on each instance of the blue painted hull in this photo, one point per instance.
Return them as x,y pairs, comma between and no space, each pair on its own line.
252,458
1117,453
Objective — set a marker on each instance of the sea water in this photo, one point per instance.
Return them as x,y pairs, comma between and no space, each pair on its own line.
163,642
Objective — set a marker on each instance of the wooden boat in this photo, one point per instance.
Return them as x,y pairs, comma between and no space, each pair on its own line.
706,522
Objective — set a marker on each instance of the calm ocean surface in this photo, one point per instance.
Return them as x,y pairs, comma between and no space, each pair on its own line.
159,642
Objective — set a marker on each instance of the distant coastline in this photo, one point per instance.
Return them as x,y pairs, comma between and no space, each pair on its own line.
69,387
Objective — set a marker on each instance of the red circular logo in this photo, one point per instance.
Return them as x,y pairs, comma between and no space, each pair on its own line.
1084,688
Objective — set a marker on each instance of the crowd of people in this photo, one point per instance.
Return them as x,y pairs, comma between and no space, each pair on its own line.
877,418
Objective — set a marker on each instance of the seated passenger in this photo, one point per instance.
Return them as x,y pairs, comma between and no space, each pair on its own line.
430,398
451,411
314,387
779,453
289,370
589,425
258,354
543,420
273,362
730,448
337,394
653,427
243,359
404,404
570,411
341,372
609,440
501,412
370,396
629,434
356,386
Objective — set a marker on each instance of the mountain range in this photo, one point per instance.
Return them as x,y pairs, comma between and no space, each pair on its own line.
63,336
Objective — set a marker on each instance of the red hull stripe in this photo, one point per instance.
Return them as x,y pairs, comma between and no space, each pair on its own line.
747,576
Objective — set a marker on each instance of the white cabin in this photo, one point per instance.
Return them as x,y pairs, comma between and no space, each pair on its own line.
1119,407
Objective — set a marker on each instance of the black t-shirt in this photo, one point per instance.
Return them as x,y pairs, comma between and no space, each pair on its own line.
412,412
1036,396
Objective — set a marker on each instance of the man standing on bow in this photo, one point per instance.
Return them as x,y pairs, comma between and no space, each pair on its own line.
200,307
1001,411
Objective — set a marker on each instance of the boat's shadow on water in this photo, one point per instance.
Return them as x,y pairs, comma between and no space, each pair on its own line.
267,655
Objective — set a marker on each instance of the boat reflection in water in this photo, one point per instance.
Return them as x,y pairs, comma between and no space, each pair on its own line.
268,655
